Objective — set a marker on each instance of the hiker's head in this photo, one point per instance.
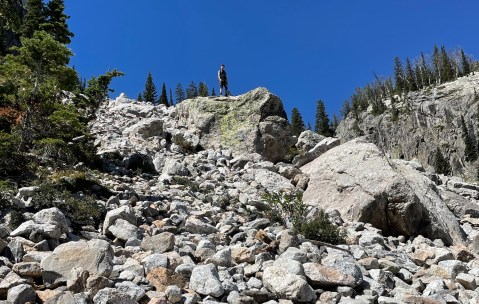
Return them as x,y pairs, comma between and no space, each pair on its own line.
222,66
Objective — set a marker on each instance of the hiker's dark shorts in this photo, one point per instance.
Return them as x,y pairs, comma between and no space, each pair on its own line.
223,84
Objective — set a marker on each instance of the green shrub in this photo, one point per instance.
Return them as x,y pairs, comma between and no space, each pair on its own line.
321,229
287,208
80,210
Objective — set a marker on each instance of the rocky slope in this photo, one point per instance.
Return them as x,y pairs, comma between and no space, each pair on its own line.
429,119
185,226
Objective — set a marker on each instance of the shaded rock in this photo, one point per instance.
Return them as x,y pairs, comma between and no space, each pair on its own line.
159,243
112,296
308,140
124,212
21,294
323,146
357,180
194,225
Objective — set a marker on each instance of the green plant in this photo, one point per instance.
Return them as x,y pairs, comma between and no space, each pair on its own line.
287,208
321,229
80,210
293,152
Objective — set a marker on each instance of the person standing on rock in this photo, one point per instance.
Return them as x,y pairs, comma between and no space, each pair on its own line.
223,79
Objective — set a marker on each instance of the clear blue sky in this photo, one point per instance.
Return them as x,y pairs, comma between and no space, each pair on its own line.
301,50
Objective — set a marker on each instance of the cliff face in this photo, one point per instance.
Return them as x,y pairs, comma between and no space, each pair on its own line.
428,119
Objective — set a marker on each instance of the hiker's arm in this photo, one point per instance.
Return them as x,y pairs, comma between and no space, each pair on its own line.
219,79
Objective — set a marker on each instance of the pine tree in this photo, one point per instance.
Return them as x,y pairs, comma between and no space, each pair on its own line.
150,94
163,97
466,69
441,165
200,88
425,74
34,18
171,99
446,74
309,126
470,151
297,124
140,98
321,125
436,61
398,75
56,24
191,91
418,75
213,92
204,91
179,93
410,76
345,108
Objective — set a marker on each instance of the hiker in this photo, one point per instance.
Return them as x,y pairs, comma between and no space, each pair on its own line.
223,80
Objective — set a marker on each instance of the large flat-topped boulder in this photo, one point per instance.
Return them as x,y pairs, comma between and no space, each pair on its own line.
253,122
364,186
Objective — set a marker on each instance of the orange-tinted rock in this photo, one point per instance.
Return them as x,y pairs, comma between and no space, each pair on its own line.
161,278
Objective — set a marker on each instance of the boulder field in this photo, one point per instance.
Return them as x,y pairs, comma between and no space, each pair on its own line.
184,219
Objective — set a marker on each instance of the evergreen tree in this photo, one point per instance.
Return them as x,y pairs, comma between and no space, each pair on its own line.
424,72
203,91
213,92
394,110
163,97
446,74
345,109
150,94
200,88
321,125
466,69
56,24
441,165
436,61
398,75
418,75
297,124
309,126
179,93
191,91
171,99
470,151
410,76
34,18
140,98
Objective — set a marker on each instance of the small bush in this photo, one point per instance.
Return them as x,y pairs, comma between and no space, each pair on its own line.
80,210
289,210
321,229
293,152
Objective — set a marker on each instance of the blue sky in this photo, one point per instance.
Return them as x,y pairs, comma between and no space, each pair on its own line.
301,50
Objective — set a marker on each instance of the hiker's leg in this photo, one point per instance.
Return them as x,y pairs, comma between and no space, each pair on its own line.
226,89
221,89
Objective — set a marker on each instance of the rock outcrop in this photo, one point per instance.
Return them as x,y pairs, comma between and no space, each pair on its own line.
253,122
428,119
364,186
